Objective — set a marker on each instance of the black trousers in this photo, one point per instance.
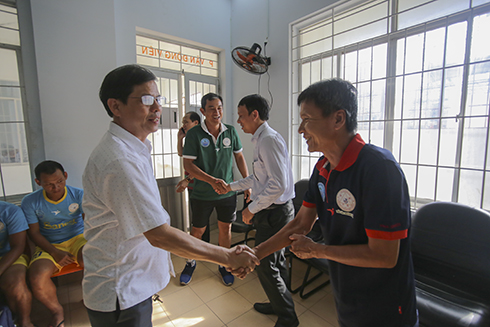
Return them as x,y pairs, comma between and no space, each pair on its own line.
136,316
272,271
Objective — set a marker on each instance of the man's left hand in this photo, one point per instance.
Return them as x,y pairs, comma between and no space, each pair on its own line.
247,216
181,186
63,258
246,195
302,246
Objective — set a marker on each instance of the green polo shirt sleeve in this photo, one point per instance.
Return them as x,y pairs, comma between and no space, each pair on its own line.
191,145
237,144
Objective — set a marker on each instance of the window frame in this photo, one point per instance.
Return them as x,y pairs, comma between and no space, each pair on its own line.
390,38
28,95
183,79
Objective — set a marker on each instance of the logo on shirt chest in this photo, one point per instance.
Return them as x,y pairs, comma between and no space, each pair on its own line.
226,142
346,202
73,207
321,189
205,142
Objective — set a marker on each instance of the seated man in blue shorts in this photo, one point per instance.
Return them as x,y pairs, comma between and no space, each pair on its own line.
14,262
55,218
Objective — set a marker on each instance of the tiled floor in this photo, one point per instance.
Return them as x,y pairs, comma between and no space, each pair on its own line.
205,301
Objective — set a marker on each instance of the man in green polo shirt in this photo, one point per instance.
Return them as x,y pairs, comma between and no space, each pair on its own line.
208,157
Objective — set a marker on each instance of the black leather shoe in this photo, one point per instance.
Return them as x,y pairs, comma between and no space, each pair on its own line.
264,308
281,323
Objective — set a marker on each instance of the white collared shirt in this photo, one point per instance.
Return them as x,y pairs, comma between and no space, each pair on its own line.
121,201
272,178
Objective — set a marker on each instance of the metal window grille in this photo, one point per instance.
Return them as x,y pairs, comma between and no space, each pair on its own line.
15,172
184,74
422,70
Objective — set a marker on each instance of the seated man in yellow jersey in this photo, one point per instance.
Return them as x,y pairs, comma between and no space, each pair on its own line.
55,217
13,263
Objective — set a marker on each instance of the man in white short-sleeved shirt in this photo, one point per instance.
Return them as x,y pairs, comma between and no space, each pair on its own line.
127,230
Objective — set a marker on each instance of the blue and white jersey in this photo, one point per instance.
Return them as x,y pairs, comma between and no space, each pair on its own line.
58,221
12,221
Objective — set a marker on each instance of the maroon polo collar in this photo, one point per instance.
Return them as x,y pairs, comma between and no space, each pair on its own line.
348,157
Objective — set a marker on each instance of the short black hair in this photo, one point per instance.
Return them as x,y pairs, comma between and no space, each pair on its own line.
193,116
209,97
332,95
120,82
256,102
48,167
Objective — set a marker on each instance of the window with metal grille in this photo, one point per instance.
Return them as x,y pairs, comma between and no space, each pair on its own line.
184,74
15,172
422,70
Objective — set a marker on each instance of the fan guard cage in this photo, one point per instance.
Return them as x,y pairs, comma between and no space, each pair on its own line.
249,60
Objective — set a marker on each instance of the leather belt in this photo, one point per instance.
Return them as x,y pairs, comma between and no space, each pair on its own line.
274,206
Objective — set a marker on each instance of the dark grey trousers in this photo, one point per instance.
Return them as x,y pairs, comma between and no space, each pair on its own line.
138,315
272,271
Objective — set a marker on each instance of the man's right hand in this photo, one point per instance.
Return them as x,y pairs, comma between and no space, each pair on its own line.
63,258
242,271
181,134
222,187
242,261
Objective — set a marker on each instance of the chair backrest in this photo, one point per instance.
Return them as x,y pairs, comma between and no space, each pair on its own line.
451,245
300,188
238,226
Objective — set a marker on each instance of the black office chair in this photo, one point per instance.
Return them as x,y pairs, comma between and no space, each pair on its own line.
450,249
321,265
300,188
238,226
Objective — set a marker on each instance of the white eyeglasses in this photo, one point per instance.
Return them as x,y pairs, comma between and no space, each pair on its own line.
148,100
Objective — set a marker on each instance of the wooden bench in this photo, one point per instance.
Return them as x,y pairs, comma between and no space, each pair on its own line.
68,269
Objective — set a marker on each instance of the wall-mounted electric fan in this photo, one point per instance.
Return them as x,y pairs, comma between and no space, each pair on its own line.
250,59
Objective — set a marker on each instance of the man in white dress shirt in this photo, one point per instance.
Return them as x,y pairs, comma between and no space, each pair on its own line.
271,207
127,230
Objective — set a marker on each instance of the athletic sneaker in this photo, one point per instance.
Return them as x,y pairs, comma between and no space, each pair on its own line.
186,275
228,278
